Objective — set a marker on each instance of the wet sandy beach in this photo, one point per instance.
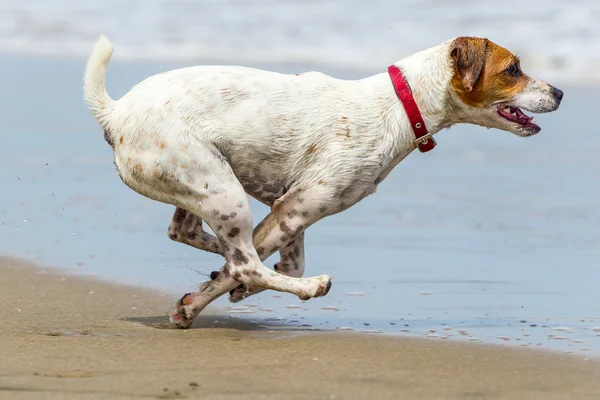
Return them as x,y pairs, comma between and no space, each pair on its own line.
66,337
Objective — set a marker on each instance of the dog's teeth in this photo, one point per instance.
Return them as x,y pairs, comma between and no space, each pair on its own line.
532,120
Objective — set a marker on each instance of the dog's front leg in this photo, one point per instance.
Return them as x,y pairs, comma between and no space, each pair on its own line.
186,228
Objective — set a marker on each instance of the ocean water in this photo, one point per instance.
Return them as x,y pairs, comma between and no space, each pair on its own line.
556,38
489,238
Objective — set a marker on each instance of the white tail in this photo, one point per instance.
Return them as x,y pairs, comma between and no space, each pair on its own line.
94,82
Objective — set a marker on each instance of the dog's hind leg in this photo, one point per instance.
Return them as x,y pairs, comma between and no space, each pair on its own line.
218,198
187,228
291,264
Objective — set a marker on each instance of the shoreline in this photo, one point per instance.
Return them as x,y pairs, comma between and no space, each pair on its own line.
75,337
535,334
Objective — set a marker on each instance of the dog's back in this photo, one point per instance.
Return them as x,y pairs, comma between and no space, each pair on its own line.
270,127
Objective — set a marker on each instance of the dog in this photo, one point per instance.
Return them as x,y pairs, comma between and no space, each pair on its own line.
306,145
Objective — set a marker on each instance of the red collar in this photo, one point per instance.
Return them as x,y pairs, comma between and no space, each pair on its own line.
424,139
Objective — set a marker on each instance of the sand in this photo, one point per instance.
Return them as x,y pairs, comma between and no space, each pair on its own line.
64,337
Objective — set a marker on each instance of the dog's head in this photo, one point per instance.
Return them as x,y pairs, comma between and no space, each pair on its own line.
490,89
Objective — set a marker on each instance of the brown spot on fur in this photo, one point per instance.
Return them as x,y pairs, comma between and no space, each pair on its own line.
234,232
321,181
285,228
232,94
137,169
226,92
121,140
238,258
260,251
206,186
169,180
344,193
312,148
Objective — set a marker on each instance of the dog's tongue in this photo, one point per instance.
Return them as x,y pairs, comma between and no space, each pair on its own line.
520,115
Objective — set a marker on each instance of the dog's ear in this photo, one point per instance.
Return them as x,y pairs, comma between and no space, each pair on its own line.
469,54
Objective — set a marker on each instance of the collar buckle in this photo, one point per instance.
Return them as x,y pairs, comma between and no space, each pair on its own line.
422,141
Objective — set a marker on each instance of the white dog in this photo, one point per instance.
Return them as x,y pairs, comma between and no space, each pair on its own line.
307,145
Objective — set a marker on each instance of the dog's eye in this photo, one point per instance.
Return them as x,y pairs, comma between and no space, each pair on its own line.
513,70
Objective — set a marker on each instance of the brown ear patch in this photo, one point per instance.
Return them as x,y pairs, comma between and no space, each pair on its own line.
469,57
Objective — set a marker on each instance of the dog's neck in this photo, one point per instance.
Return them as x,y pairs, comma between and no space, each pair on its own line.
429,73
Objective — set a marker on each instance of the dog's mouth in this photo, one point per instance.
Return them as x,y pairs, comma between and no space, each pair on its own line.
514,115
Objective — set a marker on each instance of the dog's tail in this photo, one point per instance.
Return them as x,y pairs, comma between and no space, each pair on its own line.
94,82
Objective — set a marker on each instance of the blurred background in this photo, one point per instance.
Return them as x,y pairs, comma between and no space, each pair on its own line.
557,38
487,231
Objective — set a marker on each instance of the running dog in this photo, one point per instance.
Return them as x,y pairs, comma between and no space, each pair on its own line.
307,145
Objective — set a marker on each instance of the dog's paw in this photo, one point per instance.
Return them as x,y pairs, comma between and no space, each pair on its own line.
183,316
320,286
239,293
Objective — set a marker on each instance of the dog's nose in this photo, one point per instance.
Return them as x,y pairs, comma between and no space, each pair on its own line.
557,93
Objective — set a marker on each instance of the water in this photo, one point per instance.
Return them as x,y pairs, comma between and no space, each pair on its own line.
557,39
490,237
